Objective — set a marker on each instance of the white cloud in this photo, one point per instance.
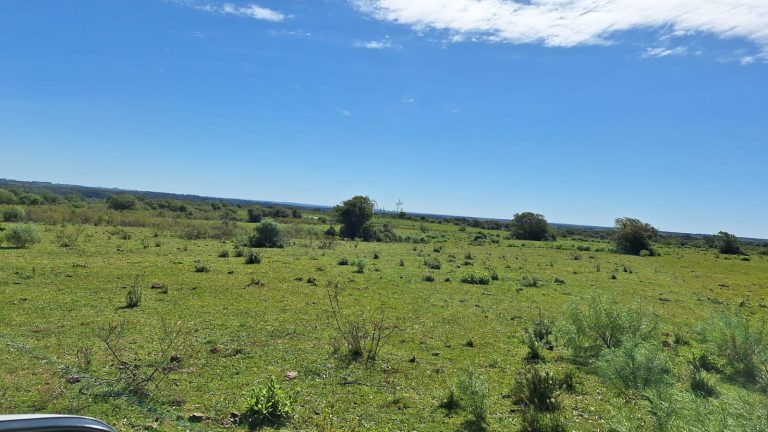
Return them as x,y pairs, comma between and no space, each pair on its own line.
376,44
567,23
252,10
747,60
664,52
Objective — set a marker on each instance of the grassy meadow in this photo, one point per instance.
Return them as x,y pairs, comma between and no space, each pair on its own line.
239,325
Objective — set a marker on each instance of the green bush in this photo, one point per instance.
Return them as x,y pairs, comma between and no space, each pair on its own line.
360,264
537,421
706,361
743,343
22,236
432,263
122,202
537,389
202,268
428,278
702,384
473,396
727,243
635,365
601,323
252,257
633,236
530,226
223,253
13,214
267,235
354,214
268,405
475,277
133,297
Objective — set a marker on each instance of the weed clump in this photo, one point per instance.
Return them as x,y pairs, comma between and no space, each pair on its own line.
473,397
362,340
268,405
252,257
474,277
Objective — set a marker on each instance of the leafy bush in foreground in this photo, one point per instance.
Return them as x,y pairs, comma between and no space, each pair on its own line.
268,405
744,345
635,365
601,324
473,396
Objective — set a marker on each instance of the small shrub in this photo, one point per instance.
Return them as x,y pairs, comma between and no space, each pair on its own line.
451,402
267,235
428,278
252,257
238,253
602,324
474,277
202,268
583,248
559,281
402,263
537,389
530,282
343,262
702,384
22,236
635,365
268,405
537,421
542,330
433,264
133,296
744,345
331,231
13,214
376,255
223,253
535,353
360,265
706,361
495,275
473,396
68,237
363,340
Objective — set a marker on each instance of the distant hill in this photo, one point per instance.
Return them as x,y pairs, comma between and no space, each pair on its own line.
100,193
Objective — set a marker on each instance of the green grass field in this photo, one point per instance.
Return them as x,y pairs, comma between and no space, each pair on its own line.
243,324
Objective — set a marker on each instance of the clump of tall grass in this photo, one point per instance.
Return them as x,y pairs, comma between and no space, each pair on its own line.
743,344
601,323
473,397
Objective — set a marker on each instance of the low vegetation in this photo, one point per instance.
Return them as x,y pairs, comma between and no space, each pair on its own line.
385,322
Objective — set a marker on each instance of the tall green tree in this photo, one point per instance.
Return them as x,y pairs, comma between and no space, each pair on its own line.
530,226
727,243
354,215
633,236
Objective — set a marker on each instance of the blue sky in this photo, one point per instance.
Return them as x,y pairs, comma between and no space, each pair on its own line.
579,110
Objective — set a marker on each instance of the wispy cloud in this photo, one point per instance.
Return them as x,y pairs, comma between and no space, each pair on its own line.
376,44
664,51
344,112
567,23
251,10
